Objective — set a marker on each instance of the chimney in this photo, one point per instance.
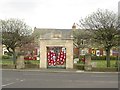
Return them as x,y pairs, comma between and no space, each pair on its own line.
74,27
34,28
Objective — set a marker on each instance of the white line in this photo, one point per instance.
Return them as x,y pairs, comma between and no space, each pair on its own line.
8,84
21,80
11,83
79,71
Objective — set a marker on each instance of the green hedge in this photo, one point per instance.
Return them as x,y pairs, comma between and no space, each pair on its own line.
98,69
31,66
78,66
8,66
32,62
103,57
105,69
97,57
75,56
5,57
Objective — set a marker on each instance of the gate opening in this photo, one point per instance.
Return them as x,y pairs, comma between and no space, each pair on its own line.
56,57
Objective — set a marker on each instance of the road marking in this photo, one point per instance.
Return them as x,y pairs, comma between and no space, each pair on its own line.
11,83
79,71
21,80
7,84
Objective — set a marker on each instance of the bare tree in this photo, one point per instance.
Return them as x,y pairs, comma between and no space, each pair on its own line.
81,39
104,26
15,33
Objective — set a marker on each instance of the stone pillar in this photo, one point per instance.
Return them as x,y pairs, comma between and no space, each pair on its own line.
20,63
88,65
43,55
69,54
87,59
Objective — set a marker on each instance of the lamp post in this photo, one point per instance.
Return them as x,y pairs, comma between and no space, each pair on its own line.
118,63
118,52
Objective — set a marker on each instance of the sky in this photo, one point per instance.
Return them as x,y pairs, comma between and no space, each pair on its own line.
59,14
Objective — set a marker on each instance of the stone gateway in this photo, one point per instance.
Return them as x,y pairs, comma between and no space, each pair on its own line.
56,48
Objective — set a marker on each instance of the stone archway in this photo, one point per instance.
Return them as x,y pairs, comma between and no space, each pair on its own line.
68,44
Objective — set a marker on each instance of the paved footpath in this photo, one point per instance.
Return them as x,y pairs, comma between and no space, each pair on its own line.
58,70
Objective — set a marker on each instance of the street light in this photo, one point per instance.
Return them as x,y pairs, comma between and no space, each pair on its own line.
118,64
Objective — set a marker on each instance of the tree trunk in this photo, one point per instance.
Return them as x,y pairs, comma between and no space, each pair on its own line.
108,57
14,59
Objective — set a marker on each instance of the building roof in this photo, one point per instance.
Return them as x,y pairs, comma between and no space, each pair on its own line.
44,33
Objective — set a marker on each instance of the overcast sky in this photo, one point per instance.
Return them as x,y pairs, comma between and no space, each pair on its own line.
53,13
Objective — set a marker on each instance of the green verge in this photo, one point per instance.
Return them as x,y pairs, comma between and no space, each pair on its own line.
103,63
100,63
10,62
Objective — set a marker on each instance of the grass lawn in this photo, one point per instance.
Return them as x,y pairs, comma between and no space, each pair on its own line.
10,61
6,61
99,63
103,63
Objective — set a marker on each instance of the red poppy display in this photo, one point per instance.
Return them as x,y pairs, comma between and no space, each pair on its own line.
56,58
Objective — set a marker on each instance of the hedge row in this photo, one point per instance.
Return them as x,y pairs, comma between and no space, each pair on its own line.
98,69
98,57
105,69
26,66
78,66
103,58
6,57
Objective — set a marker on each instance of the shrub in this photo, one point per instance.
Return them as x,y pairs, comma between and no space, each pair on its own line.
105,69
31,66
117,64
5,57
9,54
113,57
82,56
6,66
103,58
75,56
28,62
79,66
98,57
